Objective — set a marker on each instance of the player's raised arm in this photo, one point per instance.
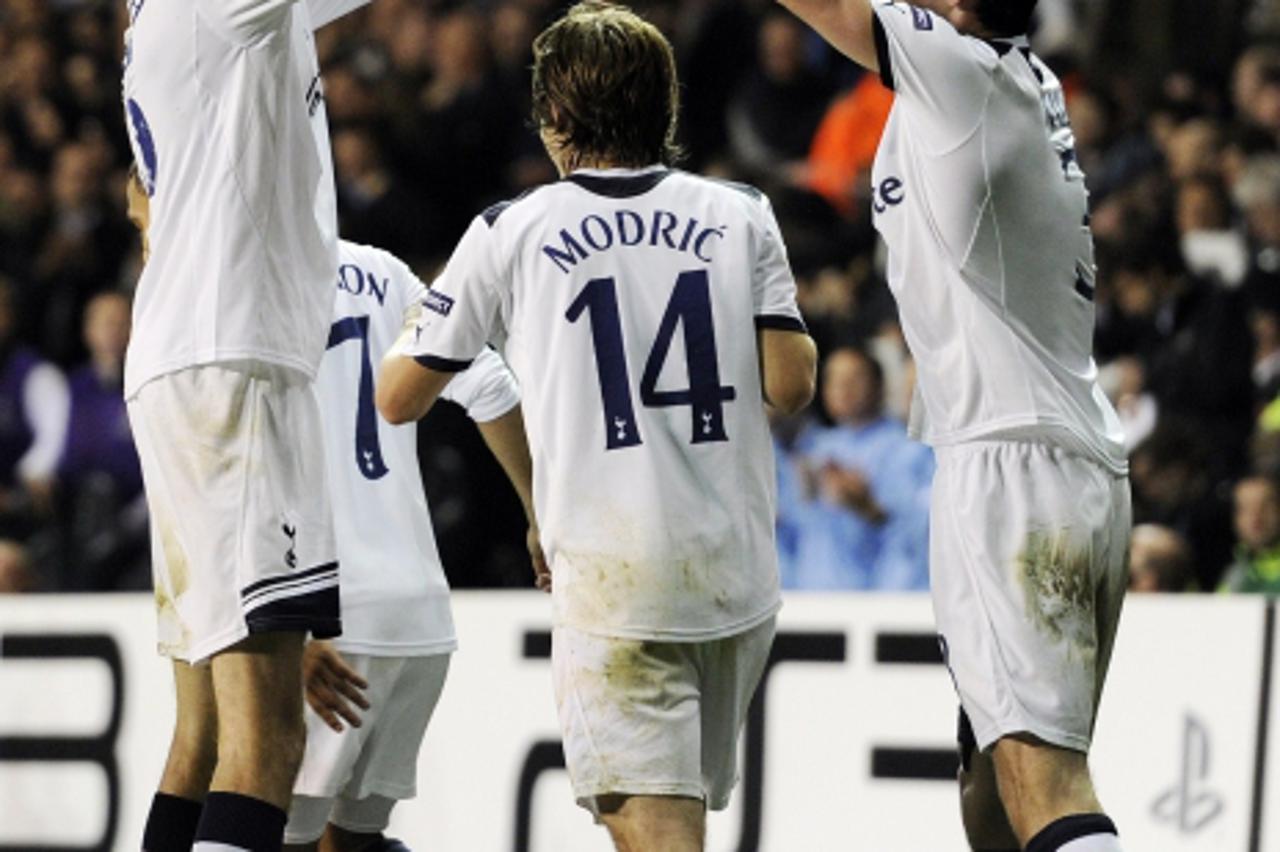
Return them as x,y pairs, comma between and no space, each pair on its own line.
846,24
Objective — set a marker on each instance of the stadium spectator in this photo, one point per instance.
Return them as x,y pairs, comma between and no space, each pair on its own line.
844,147
865,523
1191,337
33,425
775,112
1256,567
99,475
1172,487
1160,560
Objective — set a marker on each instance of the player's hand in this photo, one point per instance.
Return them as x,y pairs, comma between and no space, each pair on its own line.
541,573
332,686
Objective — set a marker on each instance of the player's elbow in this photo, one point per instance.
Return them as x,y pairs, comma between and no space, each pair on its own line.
394,396
793,394
394,407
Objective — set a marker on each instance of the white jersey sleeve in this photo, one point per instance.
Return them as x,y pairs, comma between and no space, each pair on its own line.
775,286
941,75
327,11
486,390
466,294
245,21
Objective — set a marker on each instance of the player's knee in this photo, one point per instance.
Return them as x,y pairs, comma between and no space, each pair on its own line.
193,757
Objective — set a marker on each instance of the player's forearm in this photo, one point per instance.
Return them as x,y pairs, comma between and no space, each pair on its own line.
788,369
405,389
845,24
506,439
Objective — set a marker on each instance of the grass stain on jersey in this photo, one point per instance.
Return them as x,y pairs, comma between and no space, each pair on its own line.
1058,589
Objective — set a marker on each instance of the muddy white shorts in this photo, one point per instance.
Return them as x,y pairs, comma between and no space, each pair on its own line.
655,718
354,778
241,530
1028,567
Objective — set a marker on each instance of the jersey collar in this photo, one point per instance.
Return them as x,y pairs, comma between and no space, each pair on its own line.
619,183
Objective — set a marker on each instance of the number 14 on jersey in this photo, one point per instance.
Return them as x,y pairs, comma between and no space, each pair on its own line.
689,308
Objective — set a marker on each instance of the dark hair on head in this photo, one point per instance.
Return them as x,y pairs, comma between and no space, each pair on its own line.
604,82
864,355
1006,17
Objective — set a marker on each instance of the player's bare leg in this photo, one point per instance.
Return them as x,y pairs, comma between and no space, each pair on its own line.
654,823
261,735
1042,784
193,753
986,824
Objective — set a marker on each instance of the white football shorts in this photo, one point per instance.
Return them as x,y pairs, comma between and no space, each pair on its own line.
1028,558
353,778
655,718
241,530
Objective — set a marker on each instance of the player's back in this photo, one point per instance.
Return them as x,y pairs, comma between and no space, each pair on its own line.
985,212
226,117
394,594
631,314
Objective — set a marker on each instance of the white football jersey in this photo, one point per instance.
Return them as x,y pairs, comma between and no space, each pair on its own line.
226,118
629,302
978,196
395,600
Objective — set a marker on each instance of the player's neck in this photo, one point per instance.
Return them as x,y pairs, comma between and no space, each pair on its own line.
571,163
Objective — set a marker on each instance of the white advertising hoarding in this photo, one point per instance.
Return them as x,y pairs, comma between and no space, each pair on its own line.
850,749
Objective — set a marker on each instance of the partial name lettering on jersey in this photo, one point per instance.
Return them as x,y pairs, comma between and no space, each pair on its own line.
887,193
362,282
620,230
1057,119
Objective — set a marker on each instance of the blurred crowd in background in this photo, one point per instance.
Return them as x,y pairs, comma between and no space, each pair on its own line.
1176,112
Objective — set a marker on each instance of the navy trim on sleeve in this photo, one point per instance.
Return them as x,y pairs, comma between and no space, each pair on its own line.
780,322
441,365
620,186
493,211
882,51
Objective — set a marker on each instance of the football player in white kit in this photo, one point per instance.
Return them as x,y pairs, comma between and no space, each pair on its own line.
397,631
648,315
226,118
978,196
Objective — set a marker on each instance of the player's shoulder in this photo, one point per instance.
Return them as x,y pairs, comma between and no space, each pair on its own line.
365,269
917,29
731,188
526,204
369,257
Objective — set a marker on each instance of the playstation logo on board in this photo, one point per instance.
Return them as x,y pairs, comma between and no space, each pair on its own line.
1190,804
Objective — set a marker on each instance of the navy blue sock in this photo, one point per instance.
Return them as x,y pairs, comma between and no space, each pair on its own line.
171,824
1062,831
242,822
